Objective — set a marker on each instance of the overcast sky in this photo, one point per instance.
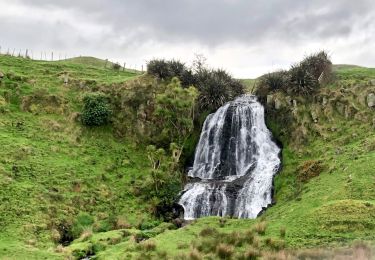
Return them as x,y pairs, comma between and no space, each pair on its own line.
245,37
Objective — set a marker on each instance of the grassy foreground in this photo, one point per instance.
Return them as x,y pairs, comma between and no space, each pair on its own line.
55,174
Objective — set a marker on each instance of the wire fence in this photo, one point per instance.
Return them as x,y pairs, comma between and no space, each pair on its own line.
58,56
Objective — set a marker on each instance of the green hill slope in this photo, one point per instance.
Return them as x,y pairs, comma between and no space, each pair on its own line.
62,181
51,168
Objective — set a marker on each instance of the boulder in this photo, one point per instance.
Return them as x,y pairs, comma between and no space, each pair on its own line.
372,82
1,76
371,100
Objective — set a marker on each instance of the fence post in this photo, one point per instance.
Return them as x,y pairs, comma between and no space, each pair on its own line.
52,56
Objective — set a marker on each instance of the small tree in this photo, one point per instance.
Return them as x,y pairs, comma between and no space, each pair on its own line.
96,109
158,68
175,111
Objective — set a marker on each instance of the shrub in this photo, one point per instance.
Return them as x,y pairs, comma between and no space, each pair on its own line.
216,87
224,251
301,80
188,78
116,66
274,81
176,68
96,110
319,65
158,68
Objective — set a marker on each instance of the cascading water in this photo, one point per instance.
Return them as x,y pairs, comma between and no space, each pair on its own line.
235,162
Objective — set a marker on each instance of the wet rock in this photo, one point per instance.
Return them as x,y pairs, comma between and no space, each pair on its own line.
278,104
314,116
371,100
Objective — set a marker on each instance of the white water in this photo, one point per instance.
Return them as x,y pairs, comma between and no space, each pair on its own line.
235,162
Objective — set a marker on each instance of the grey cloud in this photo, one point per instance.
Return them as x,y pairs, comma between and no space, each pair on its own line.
213,22
268,28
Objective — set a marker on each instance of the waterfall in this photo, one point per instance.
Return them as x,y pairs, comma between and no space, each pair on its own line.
234,165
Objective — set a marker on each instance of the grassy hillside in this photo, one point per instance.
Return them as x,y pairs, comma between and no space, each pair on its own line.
57,175
52,169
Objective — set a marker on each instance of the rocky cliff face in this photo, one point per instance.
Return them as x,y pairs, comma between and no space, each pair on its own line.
304,116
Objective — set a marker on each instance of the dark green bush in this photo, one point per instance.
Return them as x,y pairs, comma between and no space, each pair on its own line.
303,78
176,68
96,110
159,68
318,65
116,66
216,87
302,81
275,80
